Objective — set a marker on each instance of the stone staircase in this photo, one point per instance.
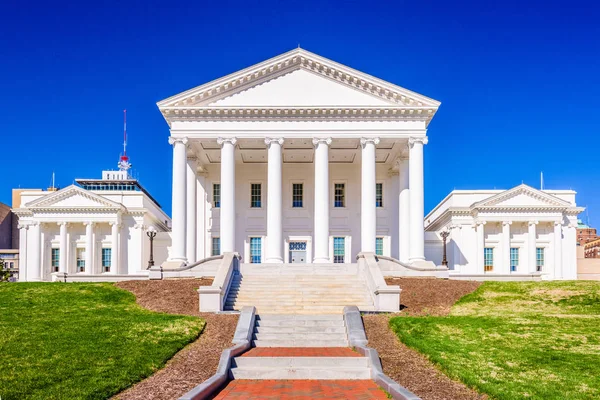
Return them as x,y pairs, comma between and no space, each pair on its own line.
300,347
298,289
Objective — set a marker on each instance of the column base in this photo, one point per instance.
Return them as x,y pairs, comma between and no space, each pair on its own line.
321,261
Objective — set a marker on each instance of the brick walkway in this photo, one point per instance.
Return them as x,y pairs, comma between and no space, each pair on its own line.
301,389
301,352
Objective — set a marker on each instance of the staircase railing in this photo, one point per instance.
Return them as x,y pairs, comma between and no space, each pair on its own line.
385,297
212,298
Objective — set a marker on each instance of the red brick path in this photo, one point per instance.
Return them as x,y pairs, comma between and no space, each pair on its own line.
301,352
301,389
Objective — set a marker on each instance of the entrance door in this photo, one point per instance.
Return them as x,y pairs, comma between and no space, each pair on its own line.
298,252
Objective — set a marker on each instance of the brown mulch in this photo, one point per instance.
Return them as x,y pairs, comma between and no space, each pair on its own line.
196,362
406,366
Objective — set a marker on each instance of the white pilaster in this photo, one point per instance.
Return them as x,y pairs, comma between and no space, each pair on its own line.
558,271
23,252
480,227
227,229
62,261
34,262
368,216
321,218
89,247
191,204
417,205
201,203
114,248
404,210
531,246
274,202
505,269
178,213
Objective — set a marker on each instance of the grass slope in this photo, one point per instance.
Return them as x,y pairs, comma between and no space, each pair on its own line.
517,340
81,340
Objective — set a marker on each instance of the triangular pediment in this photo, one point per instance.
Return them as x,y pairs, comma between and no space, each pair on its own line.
521,196
300,88
298,78
73,197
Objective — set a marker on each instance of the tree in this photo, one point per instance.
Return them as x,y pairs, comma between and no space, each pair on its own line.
4,272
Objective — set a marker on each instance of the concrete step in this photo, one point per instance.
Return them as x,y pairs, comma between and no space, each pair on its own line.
316,336
321,373
300,362
300,343
283,302
299,329
310,324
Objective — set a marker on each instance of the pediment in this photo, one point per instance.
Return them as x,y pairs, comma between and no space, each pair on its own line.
521,196
73,197
298,78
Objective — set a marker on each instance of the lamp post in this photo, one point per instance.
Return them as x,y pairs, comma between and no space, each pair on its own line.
444,234
151,232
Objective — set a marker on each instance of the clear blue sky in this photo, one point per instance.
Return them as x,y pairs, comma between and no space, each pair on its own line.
518,82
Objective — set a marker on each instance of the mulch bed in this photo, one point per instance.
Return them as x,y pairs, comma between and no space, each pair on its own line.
404,365
196,362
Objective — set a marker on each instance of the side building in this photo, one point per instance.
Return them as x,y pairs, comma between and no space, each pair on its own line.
95,230
521,233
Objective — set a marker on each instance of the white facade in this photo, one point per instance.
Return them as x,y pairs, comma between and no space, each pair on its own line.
506,233
349,145
94,234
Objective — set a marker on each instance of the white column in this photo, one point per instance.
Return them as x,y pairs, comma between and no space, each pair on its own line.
191,204
114,248
480,227
35,265
417,205
62,261
321,214
505,247
178,213
89,247
368,211
558,272
23,252
274,202
531,246
201,202
227,230
404,210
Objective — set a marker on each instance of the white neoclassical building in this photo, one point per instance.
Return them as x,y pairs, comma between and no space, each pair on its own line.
506,234
92,231
298,159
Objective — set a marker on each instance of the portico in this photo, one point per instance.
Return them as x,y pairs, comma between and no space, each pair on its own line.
298,147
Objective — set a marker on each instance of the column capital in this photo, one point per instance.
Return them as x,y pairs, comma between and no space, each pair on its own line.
479,223
421,140
221,141
326,141
90,223
504,223
532,222
62,223
572,225
365,140
558,223
271,140
454,226
113,223
23,226
173,140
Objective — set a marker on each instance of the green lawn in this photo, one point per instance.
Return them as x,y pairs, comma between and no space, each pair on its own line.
517,340
81,340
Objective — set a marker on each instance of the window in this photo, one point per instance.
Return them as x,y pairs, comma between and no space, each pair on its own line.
539,259
80,260
514,259
255,250
297,193
216,246
339,197
55,262
216,195
255,195
379,194
379,246
339,249
488,258
106,255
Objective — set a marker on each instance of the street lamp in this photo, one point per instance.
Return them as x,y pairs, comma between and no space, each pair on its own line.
151,232
444,234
